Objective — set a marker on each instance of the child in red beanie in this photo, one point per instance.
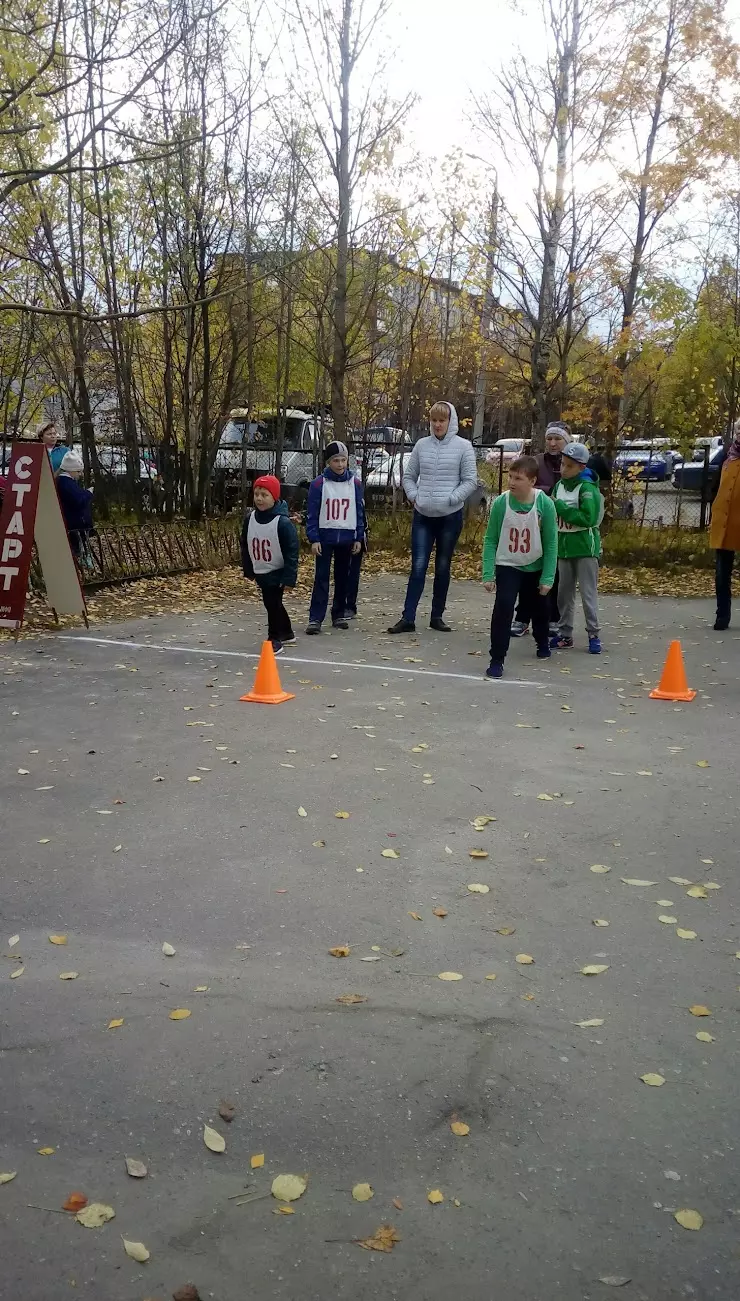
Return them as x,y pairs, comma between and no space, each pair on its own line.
269,547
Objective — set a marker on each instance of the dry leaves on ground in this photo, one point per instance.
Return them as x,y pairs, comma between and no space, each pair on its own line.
689,1219
653,1079
340,951
136,1250
384,1239
594,969
348,1000
136,1168
362,1193
214,1141
95,1215
74,1203
435,1197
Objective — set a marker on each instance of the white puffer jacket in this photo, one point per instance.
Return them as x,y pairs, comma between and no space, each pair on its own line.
440,473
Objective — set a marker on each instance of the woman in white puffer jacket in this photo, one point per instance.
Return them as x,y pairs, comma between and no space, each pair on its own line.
439,476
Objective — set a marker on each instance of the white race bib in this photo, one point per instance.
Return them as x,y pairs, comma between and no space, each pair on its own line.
264,545
520,540
338,505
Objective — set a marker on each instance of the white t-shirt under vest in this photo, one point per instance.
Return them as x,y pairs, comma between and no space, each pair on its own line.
520,539
338,505
264,544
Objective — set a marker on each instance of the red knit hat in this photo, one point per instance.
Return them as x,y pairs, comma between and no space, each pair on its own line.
271,483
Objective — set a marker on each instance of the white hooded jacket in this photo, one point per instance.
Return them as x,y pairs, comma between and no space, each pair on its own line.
440,473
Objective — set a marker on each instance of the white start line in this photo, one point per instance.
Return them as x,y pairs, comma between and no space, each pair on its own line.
409,671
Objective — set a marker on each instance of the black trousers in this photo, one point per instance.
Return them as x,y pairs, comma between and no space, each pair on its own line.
510,584
724,561
524,612
279,627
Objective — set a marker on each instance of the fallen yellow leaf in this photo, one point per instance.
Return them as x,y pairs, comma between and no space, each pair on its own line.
350,999
653,1079
193,779
478,853
340,951
18,972
481,821
477,888
283,1210
180,1014
389,853
698,1009
46,1151
68,975
702,763
697,892
435,1197
95,1215
57,939
383,1239
667,919
594,969
201,989
302,812
257,1161
214,1141
679,880
288,1188
705,1037
136,1250
590,1025
341,815
439,912
460,1128
492,976
113,1025
685,935
599,921
449,975
362,1192
599,868
416,916
689,1219
168,950
544,797
524,959
633,880
7,1176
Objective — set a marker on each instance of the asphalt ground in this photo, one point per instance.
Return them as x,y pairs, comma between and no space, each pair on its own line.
573,1167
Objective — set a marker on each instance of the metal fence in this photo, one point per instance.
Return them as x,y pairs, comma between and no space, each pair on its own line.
120,554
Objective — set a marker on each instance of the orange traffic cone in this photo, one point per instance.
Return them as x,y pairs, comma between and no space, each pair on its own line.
673,684
267,689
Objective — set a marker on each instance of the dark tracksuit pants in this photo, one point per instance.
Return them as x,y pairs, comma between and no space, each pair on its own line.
279,627
510,584
724,561
342,557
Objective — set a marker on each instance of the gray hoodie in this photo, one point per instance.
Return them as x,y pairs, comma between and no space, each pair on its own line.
440,473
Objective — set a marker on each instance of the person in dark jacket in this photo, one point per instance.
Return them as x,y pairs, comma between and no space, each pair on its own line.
549,469
75,501
269,547
335,526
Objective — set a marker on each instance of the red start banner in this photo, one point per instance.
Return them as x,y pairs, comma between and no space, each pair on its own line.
17,520
31,514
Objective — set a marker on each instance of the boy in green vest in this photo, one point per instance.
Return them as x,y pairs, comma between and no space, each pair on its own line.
520,553
580,508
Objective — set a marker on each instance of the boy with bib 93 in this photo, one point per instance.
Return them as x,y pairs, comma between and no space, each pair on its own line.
269,547
580,510
335,525
520,552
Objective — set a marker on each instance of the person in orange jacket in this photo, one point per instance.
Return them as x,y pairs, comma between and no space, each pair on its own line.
724,532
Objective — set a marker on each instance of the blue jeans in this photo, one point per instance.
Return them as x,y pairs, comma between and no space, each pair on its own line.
320,594
426,532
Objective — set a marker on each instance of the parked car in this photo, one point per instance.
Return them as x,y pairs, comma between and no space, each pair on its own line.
507,449
255,440
479,501
381,469
645,461
690,475
378,438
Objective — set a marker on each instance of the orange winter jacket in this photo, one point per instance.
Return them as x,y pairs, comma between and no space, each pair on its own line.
724,533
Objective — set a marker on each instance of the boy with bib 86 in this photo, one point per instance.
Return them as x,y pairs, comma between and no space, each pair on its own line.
269,547
520,553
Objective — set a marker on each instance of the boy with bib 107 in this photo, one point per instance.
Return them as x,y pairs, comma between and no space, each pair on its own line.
335,525
269,547
520,554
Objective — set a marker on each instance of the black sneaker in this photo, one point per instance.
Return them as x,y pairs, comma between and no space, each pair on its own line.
278,647
544,652
291,640
313,629
495,669
721,625
439,625
339,623
403,625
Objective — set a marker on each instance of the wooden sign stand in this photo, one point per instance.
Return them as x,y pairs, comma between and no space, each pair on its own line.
31,513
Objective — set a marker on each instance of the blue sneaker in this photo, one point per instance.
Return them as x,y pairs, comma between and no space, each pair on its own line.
544,652
594,646
561,643
495,669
